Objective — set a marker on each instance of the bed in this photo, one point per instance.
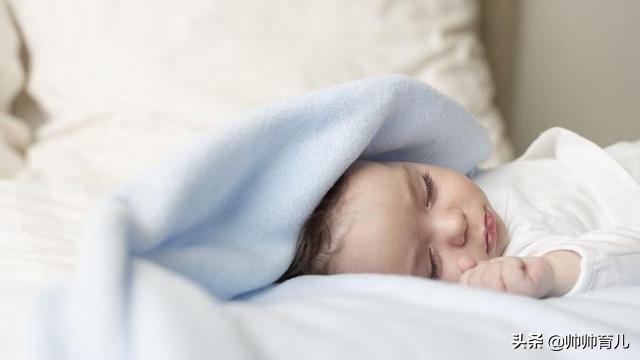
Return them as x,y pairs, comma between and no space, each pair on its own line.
94,92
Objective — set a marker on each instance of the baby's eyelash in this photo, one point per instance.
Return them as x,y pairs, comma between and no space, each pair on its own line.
434,266
428,181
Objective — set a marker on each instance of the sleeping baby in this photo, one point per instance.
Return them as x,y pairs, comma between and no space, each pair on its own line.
563,218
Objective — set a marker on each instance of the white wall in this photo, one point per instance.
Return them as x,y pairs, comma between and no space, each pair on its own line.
577,65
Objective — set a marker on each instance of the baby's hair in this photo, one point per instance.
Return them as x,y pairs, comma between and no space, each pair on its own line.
312,255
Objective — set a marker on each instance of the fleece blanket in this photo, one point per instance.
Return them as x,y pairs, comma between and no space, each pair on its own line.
220,218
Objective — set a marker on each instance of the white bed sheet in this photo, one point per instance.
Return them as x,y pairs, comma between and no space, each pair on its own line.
393,317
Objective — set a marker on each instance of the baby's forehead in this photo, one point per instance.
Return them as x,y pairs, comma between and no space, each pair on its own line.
362,173
371,183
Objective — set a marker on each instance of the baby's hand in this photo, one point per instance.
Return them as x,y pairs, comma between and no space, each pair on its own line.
530,276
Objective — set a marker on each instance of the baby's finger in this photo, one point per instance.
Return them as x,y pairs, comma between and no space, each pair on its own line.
465,277
540,274
475,277
492,277
515,277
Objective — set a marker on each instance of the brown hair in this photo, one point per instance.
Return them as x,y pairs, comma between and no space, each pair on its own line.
312,255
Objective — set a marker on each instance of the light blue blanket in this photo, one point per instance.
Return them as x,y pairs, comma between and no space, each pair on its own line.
221,217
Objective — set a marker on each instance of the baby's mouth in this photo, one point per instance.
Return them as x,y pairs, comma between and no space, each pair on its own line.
490,231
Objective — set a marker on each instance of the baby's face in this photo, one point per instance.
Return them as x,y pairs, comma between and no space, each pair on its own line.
392,220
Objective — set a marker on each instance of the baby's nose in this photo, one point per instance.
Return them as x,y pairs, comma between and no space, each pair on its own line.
452,226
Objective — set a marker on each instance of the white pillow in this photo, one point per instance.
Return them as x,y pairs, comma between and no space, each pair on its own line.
14,134
125,81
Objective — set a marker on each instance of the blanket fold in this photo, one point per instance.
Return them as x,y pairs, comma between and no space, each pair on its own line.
220,218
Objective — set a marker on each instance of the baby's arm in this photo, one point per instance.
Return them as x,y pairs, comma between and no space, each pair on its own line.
552,274
566,269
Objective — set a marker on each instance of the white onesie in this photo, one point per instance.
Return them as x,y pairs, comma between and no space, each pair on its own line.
565,192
